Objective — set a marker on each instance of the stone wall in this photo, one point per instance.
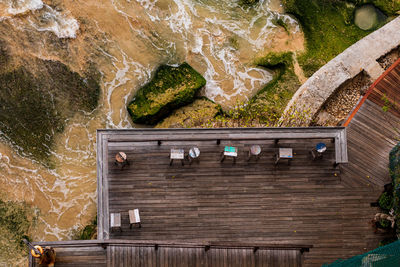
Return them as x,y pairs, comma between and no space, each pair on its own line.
361,56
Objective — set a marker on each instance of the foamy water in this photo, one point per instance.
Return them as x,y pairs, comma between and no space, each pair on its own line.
128,40
42,17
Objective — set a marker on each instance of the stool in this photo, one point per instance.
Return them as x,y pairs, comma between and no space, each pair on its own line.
134,218
115,222
194,153
284,153
121,160
229,151
255,150
177,154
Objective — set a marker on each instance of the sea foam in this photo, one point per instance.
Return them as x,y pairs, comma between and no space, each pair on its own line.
22,6
60,24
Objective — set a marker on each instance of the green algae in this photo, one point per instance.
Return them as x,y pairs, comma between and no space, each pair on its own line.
88,232
36,103
170,88
271,100
329,27
16,222
195,114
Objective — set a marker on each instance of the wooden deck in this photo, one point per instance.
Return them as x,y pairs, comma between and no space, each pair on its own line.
116,253
252,202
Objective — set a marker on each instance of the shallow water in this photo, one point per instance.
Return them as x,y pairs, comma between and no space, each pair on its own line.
127,39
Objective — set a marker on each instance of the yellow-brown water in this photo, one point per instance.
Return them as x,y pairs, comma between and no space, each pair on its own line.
127,40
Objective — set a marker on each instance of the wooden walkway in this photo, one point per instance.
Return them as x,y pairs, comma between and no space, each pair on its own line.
117,253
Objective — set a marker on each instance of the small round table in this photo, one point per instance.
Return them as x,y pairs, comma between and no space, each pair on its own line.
321,147
255,150
194,153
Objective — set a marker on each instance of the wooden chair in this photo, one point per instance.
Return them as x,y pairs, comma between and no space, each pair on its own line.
177,154
134,218
229,151
115,222
284,153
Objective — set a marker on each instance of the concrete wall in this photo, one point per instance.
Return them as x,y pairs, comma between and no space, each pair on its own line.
362,55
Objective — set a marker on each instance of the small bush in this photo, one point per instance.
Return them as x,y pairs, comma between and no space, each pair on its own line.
386,201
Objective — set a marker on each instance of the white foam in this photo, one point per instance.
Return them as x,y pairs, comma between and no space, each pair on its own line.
16,7
60,24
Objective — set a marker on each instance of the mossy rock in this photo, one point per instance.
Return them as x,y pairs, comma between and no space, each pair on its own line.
196,114
36,102
171,88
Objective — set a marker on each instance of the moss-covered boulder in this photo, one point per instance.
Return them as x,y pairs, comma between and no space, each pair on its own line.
197,114
171,88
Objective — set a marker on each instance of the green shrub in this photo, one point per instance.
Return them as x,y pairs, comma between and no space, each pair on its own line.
384,223
386,201
171,88
394,170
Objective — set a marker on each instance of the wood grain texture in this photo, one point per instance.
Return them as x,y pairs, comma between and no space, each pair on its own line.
119,253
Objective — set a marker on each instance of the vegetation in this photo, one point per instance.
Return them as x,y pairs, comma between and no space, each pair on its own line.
15,224
270,102
247,2
281,23
329,28
171,88
394,170
35,103
386,201
193,115
88,232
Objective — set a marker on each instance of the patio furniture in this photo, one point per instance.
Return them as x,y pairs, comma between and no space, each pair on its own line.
134,218
115,222
284,153
254,150
318,150
121,160
177,154
193,154
229,151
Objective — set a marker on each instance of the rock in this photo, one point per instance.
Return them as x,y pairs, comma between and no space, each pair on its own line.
171,88
197,114
367,17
